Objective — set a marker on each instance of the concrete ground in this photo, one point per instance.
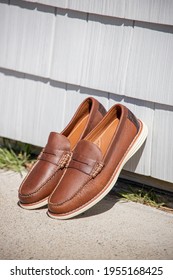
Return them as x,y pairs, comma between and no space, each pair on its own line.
110,230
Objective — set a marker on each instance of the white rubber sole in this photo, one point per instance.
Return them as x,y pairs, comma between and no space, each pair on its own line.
133,148
35,205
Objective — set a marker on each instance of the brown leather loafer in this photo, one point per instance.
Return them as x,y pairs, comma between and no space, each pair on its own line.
96,163
52,161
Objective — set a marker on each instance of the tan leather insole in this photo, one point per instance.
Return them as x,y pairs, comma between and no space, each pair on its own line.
105,137
76,132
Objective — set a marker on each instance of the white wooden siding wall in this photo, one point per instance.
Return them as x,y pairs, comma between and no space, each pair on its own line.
53,54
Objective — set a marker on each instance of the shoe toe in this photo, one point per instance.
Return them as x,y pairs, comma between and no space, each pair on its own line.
37,187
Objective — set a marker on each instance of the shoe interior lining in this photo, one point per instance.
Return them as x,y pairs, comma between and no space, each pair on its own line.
103,135
75,134
103,141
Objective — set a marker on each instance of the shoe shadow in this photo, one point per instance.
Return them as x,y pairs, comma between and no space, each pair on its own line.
133,162
102,206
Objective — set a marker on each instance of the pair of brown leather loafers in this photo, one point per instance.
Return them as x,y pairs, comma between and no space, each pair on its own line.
79,166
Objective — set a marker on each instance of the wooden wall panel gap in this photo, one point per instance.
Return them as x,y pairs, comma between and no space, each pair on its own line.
142,10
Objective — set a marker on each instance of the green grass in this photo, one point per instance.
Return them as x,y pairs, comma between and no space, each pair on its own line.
15,155
10,160
143,196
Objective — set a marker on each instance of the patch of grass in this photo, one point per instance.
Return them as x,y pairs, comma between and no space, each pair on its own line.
16,162
16,156
143,196
9,160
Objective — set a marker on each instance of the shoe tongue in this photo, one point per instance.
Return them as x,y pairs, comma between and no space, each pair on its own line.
57,141
88,149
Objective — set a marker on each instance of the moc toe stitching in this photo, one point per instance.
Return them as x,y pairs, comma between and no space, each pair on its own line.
41,187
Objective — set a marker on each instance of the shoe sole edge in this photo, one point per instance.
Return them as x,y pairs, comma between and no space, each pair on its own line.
35,205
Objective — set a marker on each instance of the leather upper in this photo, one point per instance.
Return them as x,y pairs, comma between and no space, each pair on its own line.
53,160
95,160
38,182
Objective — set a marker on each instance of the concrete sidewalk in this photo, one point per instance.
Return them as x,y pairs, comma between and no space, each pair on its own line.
109,230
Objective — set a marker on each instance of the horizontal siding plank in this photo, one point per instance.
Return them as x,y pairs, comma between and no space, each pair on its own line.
106,53
150,67
26,37
54,3
68,48
156,11
114,8
11,105
30,108
146,181
162,148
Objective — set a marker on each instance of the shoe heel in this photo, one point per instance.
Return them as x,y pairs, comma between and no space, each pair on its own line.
138,141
